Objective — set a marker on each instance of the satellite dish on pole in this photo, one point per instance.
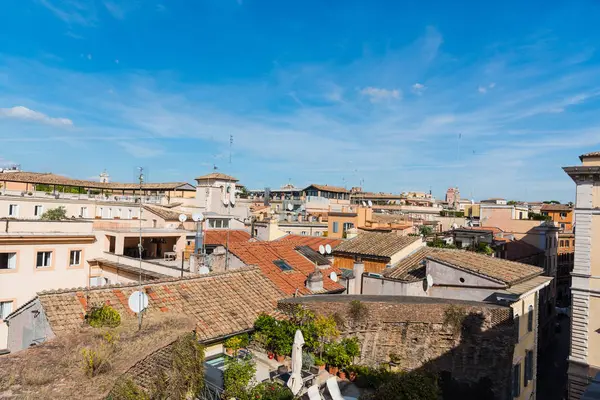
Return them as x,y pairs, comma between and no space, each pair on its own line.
322,249
328,248
429,281
333,276
197,217
370,203
138,301
290,206
203,270
182,218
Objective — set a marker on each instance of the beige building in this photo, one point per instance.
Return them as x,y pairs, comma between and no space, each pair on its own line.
584,357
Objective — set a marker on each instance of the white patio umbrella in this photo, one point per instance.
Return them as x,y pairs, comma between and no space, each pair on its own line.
295,382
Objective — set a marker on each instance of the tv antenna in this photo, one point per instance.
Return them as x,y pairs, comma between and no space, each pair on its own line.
230,145
140,247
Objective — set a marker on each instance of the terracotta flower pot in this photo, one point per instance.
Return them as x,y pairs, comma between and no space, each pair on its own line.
342,375
333,370
229,352
280,358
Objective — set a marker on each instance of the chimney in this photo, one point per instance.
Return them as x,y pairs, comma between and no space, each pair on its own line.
358,270
314,282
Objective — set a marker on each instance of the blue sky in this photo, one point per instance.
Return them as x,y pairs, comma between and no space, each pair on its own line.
400,95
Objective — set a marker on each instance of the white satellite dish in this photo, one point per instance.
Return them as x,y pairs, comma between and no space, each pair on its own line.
322,249
333,276
328,248
182,218
197,217
429,281
203,270
138,301
364,203
290,207
370,203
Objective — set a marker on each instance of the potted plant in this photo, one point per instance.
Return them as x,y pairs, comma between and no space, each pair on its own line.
320,363
234,343
336,357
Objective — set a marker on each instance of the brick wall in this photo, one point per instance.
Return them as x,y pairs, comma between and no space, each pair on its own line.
477,356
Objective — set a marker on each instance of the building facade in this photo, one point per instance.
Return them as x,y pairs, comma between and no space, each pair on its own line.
584,357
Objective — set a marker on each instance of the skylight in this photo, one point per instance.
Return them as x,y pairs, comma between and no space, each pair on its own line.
284,266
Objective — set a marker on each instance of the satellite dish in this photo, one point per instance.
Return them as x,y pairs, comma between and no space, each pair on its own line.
370,203
429,281
322,249
182,218
364,203
138,301
203,270
328,248
290,207
333,276
197,217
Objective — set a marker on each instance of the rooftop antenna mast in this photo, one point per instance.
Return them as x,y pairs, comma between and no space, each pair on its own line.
231,193
140,247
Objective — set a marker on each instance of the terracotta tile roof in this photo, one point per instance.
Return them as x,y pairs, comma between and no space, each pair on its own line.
556,207
327,188
503,271
53,179
311,241
219,237
518,250
313,255
495,230
411,268
166,213
263,254
221,304
376,244
592,154
218,175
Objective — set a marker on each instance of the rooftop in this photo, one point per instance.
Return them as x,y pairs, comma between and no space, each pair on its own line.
327,188
221,304
312,241
166,213
376,244
556,207
213,237
147,275
53,179
292,280
502,271
591,154
411,268
217,176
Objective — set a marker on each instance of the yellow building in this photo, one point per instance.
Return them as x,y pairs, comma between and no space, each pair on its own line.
584,357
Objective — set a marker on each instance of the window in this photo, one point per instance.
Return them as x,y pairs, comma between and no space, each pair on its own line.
336,227
154,223
8,260
562,243
75,258
98,281
563,215
516,380
348,225
284,266
13,210
516,318
129,214
118,213
303,233
101,212
528,366
6,308
109,213
562,226
318,233
44,259
38,211
83,212
530,319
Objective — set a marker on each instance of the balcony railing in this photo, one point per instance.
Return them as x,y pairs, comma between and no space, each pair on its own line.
210,392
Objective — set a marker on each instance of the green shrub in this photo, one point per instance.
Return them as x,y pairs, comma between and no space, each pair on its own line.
103,316
236,342
454,317
358,311
54,214
352,347
126,389
187,372
335,355
308,360
237,376
95,361
406,386
271,391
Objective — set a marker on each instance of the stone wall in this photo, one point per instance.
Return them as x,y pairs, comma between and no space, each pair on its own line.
469,344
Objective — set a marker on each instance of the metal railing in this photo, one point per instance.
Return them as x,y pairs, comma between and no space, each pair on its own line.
210,392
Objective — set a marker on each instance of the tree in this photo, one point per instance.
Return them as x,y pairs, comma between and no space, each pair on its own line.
425,230
511,203
55,214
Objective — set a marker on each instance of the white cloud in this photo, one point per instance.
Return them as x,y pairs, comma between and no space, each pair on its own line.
140,150
418,88
482,89
115,10
378,94
24,113
73,12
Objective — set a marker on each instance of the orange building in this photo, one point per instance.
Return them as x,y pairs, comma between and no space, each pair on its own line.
350,217
562,214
